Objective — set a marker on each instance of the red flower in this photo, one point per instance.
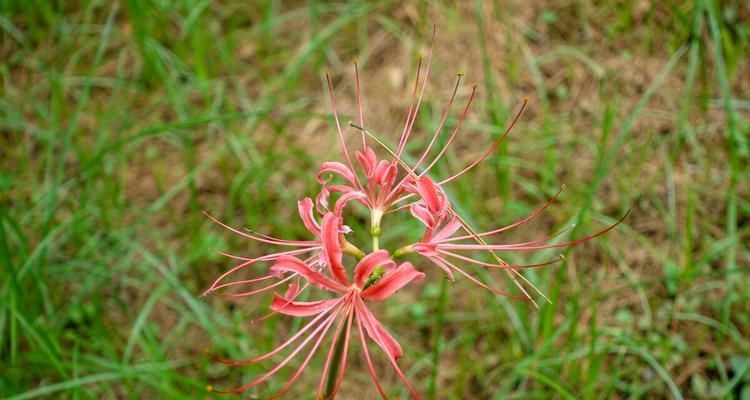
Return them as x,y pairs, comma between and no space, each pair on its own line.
384,186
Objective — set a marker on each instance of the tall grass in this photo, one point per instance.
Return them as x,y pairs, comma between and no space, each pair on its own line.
120,122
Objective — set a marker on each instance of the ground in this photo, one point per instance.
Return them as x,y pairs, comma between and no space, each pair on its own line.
121,121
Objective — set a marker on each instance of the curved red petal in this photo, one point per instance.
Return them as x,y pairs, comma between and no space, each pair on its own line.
365,266
347,197
447,230
429,193
300,308
332,247
368,161
376,332
338,168
305,207
291,264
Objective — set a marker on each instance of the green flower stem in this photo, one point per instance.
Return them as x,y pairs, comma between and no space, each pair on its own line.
338,354
375,230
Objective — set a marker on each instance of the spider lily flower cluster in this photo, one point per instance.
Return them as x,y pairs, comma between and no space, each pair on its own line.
383,186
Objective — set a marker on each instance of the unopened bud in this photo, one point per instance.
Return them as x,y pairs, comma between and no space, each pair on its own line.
351,249
402,251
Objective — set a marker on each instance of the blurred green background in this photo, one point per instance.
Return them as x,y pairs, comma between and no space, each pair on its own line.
121,121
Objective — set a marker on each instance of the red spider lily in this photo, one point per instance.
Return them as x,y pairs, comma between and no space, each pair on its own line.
376,277
384,186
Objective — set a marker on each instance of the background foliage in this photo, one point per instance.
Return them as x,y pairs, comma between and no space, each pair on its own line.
121,121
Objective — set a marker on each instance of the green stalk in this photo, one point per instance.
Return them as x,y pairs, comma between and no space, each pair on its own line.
338,354
375,231
437,340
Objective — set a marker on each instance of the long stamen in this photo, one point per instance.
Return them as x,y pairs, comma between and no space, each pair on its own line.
492,148
395,190
346,351
260,239
411,105
341,134
243,282
254,292
303,365
448,265
542,240
216,282
379,338
284,241
219,252
332,350
323,327
453,134
268,257
405,136
368,360
399,208
512,246
495,266
524,246
359,103
440,126
513,225
287,342
500,261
